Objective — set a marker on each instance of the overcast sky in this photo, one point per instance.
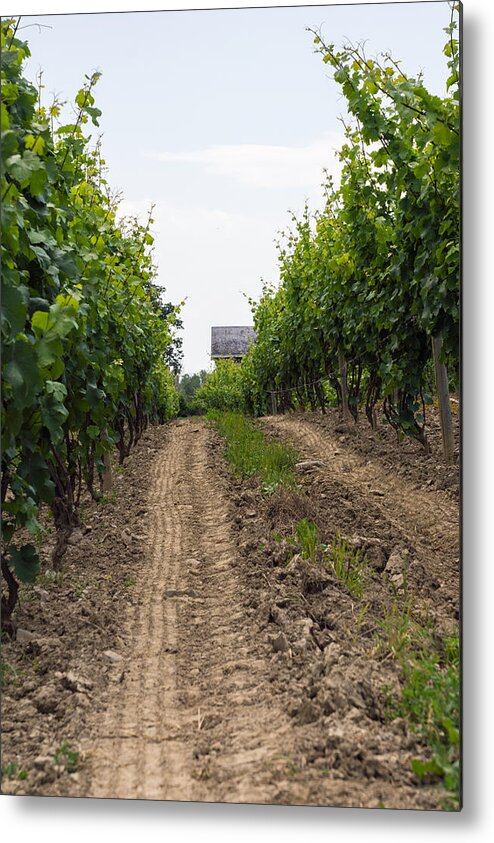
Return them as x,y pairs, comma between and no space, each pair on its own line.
225,119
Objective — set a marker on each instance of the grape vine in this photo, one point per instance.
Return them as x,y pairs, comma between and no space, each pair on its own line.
85,334
369,282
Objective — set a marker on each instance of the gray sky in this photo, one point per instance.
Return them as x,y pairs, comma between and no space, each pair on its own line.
225,119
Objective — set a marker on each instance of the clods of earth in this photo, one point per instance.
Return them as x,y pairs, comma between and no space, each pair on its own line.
189,651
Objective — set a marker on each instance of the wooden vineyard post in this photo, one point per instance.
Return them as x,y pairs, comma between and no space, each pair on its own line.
274,405
443,397
107,482
344,385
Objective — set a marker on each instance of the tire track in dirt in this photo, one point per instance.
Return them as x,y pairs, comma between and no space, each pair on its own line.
429,517
139,753
190,714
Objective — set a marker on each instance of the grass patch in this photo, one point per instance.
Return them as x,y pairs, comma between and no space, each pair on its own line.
8,675
130,582
430,694
349,565
251,454
307,536
430,701
396,632
49,578
11,771
67,758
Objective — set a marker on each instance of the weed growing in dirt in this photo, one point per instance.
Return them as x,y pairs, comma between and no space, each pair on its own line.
8,675
430,700
430,695
400,631
11,771
349,565
307,536
130,582
50,577
251,454
355,631
111,497
395,630
80,586
67,758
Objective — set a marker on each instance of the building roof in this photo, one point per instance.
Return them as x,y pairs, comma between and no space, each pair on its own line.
231,340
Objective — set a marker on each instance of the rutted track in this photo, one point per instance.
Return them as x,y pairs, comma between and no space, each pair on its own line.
193,717
159,660
428,518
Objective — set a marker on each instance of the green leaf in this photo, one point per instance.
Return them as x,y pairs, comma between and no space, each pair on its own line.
24,562
62,319
14,309
21,168
424,768
4,122
49,351
40,321
68,129
53,410
94,395
34,470
94,113
442,135
81,97
68,301
38,181
18,169
41,236
21,372
9,143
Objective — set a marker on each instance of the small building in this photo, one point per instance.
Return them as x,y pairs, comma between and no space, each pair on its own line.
231,342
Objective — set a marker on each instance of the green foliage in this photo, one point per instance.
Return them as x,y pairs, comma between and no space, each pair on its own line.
189,384
375,275
24,562
430,700
223,388
188,387
8,675
85,333
251,454
11,771
67,758
396,630
307,536
430,694
349,565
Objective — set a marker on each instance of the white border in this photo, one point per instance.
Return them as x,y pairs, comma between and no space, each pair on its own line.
48,819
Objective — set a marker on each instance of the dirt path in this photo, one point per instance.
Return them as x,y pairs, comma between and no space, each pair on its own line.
425,519
190,715
189,653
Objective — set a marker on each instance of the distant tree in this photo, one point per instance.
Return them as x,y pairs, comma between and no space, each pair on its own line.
187,388
175,352
169,313
189,384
